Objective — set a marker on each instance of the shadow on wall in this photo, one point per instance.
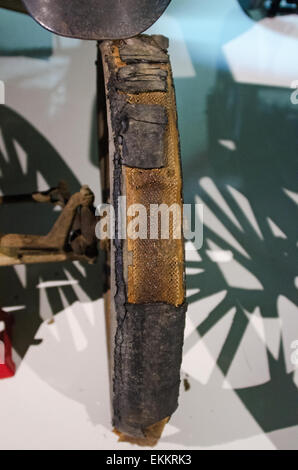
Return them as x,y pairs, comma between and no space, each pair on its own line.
25,156
247,268
72,346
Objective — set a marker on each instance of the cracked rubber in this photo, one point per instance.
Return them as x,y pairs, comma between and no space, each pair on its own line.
145,301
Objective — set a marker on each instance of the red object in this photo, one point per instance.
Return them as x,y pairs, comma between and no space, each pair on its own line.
7,369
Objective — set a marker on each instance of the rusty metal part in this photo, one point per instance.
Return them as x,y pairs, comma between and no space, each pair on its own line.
40,258
83,240
57,196
96,19
57,245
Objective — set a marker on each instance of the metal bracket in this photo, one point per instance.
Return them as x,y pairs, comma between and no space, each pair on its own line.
72,236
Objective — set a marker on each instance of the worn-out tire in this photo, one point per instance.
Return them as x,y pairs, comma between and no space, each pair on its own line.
145,301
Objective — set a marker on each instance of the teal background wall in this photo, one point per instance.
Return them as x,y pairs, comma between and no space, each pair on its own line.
22,36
